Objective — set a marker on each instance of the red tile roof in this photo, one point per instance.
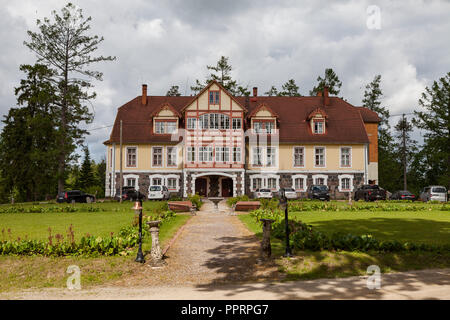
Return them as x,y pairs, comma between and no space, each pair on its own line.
345,123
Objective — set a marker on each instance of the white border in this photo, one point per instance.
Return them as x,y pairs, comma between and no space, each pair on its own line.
162,157
131,176
343,176
340,157
324,157
293,157
324,176
300,176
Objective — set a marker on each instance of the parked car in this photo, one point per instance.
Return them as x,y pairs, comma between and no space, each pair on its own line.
318,191
438,193
128,193
263,193
290,193
74,196
370,192
158,193
403,195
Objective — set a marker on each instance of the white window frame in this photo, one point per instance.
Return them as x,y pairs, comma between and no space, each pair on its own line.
324,157
175,156
300,176
264,181
188,152
209,153
254,153
317,176
236,151
345,176
315,121
126,157
222,154
177,181
191,121
274,157
236,120
304,156
131,176
162,157
350,157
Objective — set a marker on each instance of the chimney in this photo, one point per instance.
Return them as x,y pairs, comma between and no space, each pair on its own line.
144,94
255,91
326,99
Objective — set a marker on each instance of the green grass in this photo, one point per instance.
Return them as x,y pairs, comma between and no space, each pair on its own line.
35,225
427,226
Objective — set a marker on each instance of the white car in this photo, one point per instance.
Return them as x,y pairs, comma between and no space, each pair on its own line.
290,193
158,193
263,193
438,193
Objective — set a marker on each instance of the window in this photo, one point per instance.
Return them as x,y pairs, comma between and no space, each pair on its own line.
224,121
299,153
319,156
237,124
204,121
191,123
157,156
345,183
271,161
269,127
272,183
263,126
131,157
191,154
236,154
257,126
257,183
214,121
156,182
131,182
171,156
319,126
346,157
299,184
214,97
320,181
222,154
257,156
205,154
172,183
165,127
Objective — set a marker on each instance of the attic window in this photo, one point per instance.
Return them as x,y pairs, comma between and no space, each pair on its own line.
319,126
214,97
165,127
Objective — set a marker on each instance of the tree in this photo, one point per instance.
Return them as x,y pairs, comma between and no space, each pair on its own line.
290,89
405,147
330,80
388,164
28,148
272,92
65,46
435,121
173,92
222,74
86,178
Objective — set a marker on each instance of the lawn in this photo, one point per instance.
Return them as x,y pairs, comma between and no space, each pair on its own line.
414,226
21,272
36,225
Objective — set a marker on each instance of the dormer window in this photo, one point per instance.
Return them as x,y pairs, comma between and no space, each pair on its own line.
165,127
263,126
319,126
214,97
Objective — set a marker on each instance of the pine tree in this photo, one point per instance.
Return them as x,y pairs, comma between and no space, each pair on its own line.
28,144
290,89
435,121
173,92
330,80
86,178
65,46
273,91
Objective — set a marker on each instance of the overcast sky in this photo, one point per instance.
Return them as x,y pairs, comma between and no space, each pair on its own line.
164,43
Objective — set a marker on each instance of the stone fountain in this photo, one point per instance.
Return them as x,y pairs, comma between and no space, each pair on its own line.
216,201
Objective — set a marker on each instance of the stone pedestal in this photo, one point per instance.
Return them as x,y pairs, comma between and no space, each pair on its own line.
266,248
156,256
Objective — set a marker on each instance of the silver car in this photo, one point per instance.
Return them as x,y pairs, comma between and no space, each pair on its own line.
263,193
290,193
438,193
158,193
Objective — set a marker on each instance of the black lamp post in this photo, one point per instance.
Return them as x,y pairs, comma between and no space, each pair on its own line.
138,207
284,205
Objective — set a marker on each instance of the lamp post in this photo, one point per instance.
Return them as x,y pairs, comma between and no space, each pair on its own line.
284,206
138,208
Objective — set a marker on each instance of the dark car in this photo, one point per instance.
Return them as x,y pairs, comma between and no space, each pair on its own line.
403,195
318,191
128,193
370,192
74,196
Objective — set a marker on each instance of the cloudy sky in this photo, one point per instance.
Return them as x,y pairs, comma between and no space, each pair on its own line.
164,43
